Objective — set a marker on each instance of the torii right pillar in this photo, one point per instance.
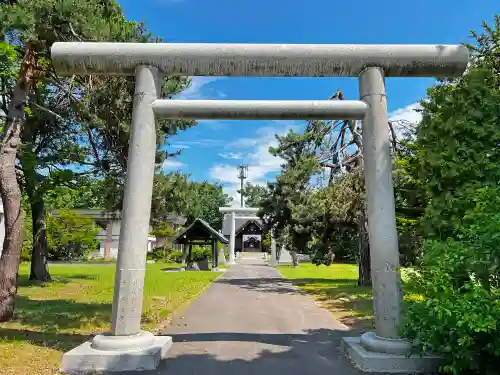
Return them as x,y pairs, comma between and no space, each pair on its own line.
386,278
382,350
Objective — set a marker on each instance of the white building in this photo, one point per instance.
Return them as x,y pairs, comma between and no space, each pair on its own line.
248,232
109,230
109,233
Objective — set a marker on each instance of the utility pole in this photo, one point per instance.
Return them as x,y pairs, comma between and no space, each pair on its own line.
242,175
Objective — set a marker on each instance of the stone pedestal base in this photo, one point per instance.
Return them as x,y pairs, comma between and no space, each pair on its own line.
142,352
370,361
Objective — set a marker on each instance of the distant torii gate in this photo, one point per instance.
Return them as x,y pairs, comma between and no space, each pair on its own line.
129,348
232,211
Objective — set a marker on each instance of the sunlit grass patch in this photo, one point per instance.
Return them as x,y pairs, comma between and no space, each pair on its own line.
60,315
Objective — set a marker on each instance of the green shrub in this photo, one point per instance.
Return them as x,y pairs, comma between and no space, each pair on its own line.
158,254
26,251
459,315
201,253
266,242
174,256
198,253
70,235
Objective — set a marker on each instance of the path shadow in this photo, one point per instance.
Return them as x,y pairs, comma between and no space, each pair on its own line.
287,286
23,280
54,314
58,341
316,336
263,284
219,353
341,295
172,269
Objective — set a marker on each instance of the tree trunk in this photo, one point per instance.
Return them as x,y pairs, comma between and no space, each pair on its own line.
39,251
9,187
364,265
39,266
295,259
364,278
34,189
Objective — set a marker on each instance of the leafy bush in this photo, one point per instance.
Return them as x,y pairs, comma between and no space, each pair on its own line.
174,257
158,254
198,254
70,235
201,253
27,233
26,250
266,242
458,146
459,315
410,242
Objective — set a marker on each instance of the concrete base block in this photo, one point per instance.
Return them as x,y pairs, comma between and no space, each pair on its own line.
368,361
85,360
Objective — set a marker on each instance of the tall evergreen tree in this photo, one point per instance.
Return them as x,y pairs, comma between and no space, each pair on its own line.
52,122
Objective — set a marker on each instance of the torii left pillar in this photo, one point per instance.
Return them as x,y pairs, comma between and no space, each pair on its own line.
126,347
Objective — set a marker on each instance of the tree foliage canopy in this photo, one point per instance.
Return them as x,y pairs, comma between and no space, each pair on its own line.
456,161
174,193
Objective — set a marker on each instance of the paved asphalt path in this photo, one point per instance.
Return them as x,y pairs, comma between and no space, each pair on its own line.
252,321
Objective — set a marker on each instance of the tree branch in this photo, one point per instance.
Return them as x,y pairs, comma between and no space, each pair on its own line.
46,110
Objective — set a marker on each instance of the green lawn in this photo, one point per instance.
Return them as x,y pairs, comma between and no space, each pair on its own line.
335,287
54,318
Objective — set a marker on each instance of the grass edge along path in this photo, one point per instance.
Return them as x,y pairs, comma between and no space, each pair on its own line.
163,325
54,318
335,288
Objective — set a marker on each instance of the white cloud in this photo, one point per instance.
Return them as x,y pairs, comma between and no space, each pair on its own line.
406,118
172,164
408,113
199,90
260,162
180,146
203,142
231,155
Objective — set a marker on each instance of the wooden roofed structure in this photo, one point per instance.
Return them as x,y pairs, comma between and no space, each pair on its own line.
199,232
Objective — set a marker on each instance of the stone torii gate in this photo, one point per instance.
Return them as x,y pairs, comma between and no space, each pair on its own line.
126,347
232,211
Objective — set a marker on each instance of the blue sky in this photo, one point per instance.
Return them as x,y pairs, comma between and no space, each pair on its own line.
212,150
